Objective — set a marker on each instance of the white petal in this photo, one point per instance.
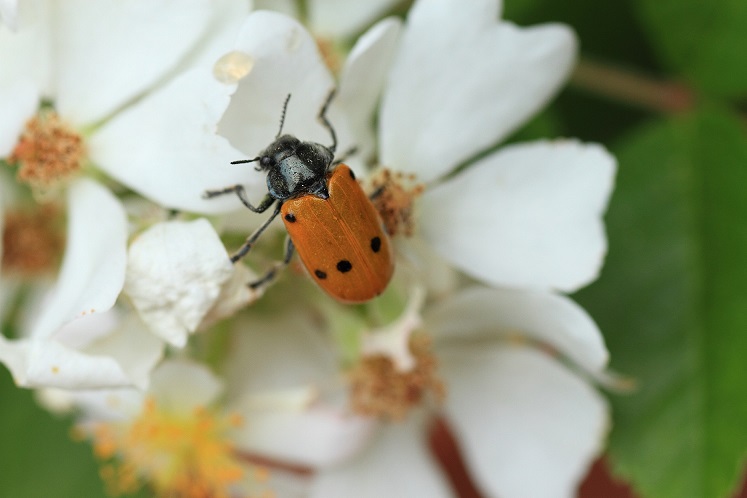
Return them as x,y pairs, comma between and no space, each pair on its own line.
107,52
133,347
462,81
340,18
98,405
284,60
8,12
18,100
182,385
234,295
318,437
175,273
283,350
93,268
528,427
397,465
24,69
483,313
362,80
25,53
529,215
178,154
48,363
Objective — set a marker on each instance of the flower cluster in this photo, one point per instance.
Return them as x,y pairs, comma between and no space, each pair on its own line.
117,284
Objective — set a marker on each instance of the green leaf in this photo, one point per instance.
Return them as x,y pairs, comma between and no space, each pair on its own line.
704,40
672,303
37,456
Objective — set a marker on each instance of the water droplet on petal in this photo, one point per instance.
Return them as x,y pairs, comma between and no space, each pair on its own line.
232,67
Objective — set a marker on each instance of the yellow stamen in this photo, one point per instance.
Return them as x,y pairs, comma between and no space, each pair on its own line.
181,455
48,153
378,388
394,198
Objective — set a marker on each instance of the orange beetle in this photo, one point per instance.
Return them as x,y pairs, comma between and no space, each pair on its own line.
329,219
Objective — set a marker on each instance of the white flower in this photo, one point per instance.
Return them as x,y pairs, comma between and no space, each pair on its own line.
174,436
90,280
516,409
176,274
528,215
104,115
269,399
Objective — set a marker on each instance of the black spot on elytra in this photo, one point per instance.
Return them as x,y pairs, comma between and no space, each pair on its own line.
290,218
352,175
344,266
320,274
375,244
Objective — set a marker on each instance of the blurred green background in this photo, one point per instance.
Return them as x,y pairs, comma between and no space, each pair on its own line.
662,83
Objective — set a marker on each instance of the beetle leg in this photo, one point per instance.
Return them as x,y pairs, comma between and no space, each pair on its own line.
325,121
352,150
268,277
253,237
241,194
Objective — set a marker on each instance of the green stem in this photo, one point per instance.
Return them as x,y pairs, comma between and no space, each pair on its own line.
623,85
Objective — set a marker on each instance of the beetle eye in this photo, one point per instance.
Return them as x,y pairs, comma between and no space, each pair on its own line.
266,161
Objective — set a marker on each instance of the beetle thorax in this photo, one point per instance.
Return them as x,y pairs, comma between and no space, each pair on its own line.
296,168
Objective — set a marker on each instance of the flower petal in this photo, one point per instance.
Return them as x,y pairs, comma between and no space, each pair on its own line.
462,81
133,347
93,268
480,312
278,352
317,437
284,59
8,13
26,52
24,70
397,465
362,80
181,139
341,18
18,100
100,42
175,273
282,376
181,385
519,414
529,215
47,363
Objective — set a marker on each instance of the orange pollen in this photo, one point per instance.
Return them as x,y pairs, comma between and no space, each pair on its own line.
48,152
378,389
180,455
33,241
394,195
331,56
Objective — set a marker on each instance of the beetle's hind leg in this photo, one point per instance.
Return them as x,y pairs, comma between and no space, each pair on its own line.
272,273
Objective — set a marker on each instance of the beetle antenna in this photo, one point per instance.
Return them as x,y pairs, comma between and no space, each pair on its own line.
325,121
282,116
243,161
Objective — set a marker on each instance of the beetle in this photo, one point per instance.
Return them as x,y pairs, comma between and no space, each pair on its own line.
330,221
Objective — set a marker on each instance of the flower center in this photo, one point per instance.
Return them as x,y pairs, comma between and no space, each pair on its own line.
32,241
48,152
394,195
378,388
185,455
